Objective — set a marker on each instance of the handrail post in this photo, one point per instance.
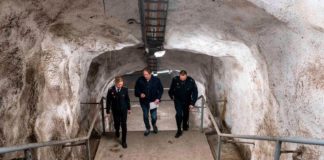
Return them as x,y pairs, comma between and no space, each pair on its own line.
202,115
28,154
219,147
277,150
103,116
88,149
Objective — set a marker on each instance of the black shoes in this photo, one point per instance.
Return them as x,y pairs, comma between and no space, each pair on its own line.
124,144
178,134
147,132
155,129
117,134
185,127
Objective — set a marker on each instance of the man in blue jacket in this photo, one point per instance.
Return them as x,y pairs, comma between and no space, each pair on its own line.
149,90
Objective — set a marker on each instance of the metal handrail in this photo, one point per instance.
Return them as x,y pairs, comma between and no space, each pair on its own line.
30,146
276,139
202,112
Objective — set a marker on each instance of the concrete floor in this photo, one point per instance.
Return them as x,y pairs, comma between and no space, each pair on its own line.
192,145
166,118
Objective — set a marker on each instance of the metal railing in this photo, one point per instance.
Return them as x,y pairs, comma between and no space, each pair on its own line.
203,101
79,141
277,140
86,139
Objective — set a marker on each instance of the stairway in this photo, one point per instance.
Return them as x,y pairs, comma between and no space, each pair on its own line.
153,19
153,15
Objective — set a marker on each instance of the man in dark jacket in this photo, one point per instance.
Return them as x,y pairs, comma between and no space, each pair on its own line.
184,92
118,101
149,90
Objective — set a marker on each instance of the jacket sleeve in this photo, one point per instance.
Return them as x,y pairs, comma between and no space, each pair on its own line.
171,90
194,94
137,89
160,90
108,101
128,100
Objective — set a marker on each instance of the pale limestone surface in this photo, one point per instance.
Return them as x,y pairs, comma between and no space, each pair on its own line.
268,61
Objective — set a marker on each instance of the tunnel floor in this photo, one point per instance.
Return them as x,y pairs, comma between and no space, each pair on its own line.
192,145
162,146
165,115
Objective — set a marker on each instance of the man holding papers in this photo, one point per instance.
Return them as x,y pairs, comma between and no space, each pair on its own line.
149,90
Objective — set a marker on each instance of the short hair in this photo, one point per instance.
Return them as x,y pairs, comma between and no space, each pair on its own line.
119,79
183,72
148,70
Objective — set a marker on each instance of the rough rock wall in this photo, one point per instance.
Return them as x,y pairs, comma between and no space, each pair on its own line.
296,64
45,47
270,52
21,77
284,96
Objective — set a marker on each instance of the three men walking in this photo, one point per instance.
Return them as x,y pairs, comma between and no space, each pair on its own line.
148,88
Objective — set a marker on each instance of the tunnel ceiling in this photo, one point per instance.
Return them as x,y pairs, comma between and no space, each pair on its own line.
268,63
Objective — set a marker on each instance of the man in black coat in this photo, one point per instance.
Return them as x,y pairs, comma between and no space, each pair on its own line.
118,101
184,93
149,90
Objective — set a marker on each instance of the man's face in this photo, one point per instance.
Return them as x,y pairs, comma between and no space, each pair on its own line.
119,84
183,77
147,75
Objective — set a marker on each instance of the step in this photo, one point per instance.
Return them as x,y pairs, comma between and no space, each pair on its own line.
151,10
160,1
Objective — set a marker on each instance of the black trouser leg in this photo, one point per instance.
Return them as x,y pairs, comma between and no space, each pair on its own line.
185,116
116,116
179,113
124,125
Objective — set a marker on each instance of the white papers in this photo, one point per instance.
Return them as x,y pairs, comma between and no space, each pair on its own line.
153,105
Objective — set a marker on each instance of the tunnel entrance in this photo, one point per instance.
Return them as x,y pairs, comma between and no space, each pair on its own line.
213,75
216,77
166,111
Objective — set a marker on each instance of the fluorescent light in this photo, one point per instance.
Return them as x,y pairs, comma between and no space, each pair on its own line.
159,53
163,71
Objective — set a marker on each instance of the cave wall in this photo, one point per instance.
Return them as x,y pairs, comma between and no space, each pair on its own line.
287,44
44,48
270,52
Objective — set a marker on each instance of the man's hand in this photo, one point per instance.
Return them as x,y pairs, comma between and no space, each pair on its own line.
142,95
157,101
191,107
107,118
129,111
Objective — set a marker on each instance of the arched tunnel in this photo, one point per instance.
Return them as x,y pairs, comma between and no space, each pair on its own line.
258,63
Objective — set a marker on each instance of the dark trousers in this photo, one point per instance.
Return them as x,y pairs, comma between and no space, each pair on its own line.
146,109
182,114
120,119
